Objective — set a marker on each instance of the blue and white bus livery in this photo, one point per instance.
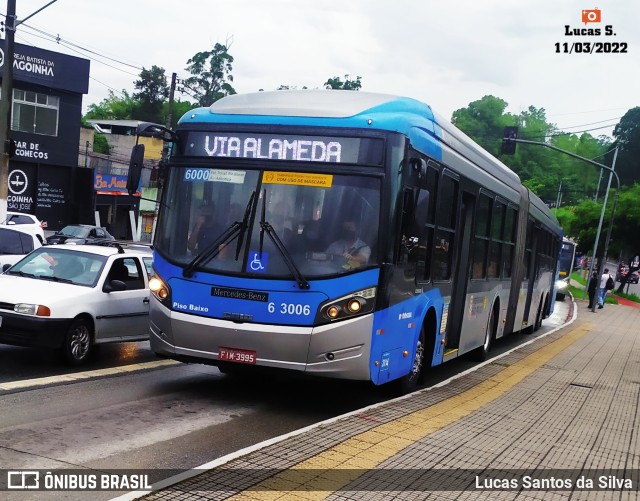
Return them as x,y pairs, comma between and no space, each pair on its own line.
459,252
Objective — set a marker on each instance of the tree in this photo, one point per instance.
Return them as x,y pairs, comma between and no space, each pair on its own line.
544,171
484,121
211,72
627,136
153,90
114,108
179,109
100,144
348,84
290,87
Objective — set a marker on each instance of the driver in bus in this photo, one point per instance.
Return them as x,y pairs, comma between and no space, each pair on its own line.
349,245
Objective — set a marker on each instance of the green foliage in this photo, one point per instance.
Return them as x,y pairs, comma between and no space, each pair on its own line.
153,90
627,135
484,122
550,174
348,84
566,217
179,109
114,108
212,76
100,144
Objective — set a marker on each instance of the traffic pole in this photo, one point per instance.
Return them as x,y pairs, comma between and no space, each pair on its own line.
5,105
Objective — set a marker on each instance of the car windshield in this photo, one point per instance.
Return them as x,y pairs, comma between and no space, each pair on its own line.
61,265
239,212
75,231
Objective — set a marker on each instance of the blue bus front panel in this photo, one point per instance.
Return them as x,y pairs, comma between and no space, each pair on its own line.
340,350
271,320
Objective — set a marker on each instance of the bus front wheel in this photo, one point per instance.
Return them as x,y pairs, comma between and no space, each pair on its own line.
410,381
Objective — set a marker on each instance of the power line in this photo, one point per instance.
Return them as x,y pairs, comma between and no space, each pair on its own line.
592,123
70,45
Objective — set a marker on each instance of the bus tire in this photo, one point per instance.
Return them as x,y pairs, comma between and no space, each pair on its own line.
538,322
409,382
481,353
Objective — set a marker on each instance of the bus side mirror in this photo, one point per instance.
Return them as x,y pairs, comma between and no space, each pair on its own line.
135,168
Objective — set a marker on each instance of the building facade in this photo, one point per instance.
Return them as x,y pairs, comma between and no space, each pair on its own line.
46,113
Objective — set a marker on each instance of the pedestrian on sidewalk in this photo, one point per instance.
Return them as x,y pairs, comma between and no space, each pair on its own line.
592,289
602,291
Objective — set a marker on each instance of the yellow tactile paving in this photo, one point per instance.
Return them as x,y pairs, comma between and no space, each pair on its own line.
369,449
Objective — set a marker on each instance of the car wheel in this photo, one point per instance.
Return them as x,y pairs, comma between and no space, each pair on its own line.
77,342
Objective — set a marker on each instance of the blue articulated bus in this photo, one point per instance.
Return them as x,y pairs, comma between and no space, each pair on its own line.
341,234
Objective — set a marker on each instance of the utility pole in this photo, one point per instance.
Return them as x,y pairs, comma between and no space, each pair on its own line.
5,105
6,99
165,154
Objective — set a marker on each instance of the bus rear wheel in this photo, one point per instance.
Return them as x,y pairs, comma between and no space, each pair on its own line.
481,353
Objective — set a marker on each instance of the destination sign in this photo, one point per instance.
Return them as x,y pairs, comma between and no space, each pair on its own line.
284,147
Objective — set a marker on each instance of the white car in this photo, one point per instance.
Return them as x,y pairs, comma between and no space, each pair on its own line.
26,222
71,297
15,243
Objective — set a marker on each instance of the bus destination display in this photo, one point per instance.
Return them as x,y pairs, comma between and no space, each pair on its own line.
282,147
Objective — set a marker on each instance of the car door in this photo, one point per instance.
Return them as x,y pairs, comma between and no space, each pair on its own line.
123,314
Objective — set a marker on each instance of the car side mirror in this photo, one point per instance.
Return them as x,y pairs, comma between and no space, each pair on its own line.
5,267
114,286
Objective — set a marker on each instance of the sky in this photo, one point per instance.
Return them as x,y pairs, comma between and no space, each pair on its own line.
445,53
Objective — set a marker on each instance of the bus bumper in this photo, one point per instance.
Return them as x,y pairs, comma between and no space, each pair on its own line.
339,350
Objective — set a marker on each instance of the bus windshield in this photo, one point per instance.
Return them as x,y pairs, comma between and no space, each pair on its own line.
252,222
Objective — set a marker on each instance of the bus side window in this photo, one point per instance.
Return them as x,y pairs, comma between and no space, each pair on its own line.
444,237
481,240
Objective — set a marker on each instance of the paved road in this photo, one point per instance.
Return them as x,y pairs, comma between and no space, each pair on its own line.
164,415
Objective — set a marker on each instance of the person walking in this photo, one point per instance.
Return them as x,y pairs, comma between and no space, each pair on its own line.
592,289
602,290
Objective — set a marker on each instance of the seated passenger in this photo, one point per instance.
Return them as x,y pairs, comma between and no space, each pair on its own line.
355,251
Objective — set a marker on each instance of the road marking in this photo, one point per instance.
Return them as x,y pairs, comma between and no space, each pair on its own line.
78,376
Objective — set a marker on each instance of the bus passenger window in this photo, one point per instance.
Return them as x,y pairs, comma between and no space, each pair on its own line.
442,251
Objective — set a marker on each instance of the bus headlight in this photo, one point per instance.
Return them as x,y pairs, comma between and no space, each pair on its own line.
357,303
160,290
561,285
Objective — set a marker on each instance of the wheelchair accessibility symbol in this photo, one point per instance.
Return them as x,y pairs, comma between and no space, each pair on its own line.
257,263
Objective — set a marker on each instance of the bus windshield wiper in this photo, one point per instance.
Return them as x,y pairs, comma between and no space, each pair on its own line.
244,224
213,249
286,255
265,227
237,228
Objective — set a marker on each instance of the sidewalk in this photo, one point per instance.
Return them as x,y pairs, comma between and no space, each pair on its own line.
541,422
621,300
